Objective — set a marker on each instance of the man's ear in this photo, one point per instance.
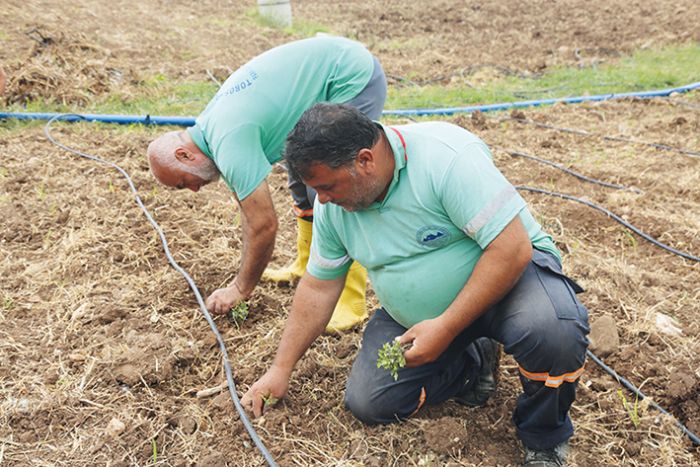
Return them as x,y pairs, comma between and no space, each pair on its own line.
365,160
184,155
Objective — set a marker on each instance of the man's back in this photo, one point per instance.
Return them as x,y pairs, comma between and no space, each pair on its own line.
246,122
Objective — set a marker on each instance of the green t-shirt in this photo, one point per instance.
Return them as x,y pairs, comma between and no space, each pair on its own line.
244,126
446,203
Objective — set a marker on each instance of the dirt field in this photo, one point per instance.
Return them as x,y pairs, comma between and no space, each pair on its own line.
102,345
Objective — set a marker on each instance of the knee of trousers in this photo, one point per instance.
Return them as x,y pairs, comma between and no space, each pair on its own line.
377,407
367,409
559,345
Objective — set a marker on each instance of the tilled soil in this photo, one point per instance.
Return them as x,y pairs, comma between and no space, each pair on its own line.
97,326
103,348
120,44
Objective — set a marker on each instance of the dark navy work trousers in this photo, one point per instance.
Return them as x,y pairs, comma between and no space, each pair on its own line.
540,322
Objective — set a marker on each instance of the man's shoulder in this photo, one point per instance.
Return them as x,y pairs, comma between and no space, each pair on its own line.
438,143
445,132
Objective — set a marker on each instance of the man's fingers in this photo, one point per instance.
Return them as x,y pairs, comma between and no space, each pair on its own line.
410,356
252,402
257,406
246,402
414,355
215,306
406,337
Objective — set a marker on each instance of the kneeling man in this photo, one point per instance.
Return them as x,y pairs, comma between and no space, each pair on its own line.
454,255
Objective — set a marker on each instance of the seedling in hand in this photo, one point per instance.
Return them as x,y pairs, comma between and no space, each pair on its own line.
391,358
239,313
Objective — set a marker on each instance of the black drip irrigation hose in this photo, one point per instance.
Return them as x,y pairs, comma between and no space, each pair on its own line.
578,175
664,147
615,217
631,387
638,392
227,366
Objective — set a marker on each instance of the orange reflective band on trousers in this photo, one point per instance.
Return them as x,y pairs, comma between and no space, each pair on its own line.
421,401
552,381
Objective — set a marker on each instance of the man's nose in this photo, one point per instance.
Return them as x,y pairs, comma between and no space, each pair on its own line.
323,198
194,188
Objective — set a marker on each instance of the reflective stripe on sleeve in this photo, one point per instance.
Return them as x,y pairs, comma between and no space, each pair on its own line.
552,381
490,210
326,263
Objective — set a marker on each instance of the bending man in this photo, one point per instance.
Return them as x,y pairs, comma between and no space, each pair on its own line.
453,254
241,134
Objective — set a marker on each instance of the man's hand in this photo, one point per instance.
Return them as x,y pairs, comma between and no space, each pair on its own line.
271,387
222,300
430,339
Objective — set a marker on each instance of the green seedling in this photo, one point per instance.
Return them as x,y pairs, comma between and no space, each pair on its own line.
41,192
269,400
632,409
239,313
154,448
391,358
7,303
631,240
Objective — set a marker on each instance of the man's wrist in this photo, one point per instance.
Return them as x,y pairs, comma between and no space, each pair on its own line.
243,291
450,327
285,369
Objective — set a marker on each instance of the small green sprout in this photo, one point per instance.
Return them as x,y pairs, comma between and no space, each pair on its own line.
7,303
632,409
269,400
391,358
154,448
239,312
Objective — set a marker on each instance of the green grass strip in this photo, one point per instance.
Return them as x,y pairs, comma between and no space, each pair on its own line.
643,71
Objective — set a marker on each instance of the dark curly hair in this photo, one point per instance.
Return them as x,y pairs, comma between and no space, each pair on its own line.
330,134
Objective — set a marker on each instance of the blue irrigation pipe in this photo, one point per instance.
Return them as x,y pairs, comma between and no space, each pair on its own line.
103,118
189,121
540,102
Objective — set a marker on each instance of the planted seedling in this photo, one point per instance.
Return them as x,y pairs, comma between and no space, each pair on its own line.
391,357
269,400
239,313
632,409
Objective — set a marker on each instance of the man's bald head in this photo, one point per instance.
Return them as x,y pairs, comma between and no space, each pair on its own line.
176,161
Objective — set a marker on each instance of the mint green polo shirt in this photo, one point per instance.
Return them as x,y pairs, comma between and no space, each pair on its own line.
244,126
446,202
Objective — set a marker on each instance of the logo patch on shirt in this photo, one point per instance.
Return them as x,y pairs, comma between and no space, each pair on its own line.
433,236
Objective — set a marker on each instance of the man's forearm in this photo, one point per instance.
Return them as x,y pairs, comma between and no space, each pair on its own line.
259,223
258,245
312,308
495,274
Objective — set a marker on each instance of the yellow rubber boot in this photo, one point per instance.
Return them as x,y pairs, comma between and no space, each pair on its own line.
298,267
351,309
